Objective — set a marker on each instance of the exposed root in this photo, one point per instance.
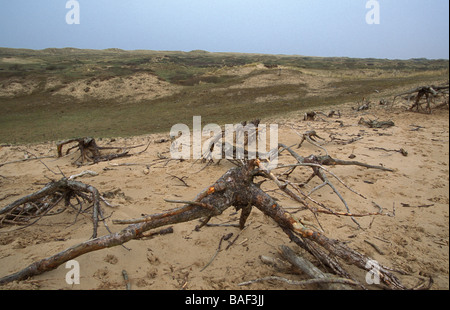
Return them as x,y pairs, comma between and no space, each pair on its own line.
234,188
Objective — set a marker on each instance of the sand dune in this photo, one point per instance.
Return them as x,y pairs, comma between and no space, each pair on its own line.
414,240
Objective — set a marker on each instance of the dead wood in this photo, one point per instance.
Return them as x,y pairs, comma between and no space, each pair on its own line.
333,113
25,159
375,124
429,93
306,267
309,116
164,231
235,188
219,248
237,150
317,163
127,280
312,115
344,141
31,208
277,263
364,105
301,283
375,247
401,150
311,137
91,152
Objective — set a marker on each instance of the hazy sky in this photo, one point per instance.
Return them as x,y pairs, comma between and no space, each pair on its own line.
407,28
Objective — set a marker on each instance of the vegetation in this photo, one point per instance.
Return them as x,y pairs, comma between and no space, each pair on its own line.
204,84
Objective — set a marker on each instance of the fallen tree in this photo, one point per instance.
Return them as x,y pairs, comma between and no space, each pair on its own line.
375,124
91,152
239,187
429,93
236,188
27,210
312,115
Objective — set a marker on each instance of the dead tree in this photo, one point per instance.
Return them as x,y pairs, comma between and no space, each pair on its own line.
429,92
317,164
91,152
29,209
311,137
309,116
235,188
245,134
312,115
375,124
363,105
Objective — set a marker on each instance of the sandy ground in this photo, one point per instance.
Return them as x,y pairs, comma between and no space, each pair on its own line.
415,239
139,86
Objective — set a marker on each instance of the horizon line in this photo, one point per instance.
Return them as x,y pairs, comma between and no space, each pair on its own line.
217,52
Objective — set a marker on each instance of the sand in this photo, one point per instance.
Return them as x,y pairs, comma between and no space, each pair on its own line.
136,87
414,238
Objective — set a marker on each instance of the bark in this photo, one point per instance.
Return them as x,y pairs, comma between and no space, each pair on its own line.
376,124
429,92
309,269
90,151
63,187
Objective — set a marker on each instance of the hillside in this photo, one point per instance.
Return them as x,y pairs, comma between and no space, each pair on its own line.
132,98
64,93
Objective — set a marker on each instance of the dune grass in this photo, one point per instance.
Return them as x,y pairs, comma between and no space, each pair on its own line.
207,91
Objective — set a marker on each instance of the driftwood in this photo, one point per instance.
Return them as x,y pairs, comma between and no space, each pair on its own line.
401,150
24,159
375,124
311,137
427,92
317,164
31,208
309,116
233,149
235,188
364,105
303,282
309,269
91,152
312,115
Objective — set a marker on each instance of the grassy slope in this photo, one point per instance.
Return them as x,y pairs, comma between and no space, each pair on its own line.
43,116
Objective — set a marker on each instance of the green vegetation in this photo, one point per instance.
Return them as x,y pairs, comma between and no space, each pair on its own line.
205,84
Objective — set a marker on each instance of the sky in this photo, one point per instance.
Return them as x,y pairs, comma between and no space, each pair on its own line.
328,28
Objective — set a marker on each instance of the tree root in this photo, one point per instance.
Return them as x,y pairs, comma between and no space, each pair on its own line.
430,93
31,208
235,188
317,163
375,124
91,152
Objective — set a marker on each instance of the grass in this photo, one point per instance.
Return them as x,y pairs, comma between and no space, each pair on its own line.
208,90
